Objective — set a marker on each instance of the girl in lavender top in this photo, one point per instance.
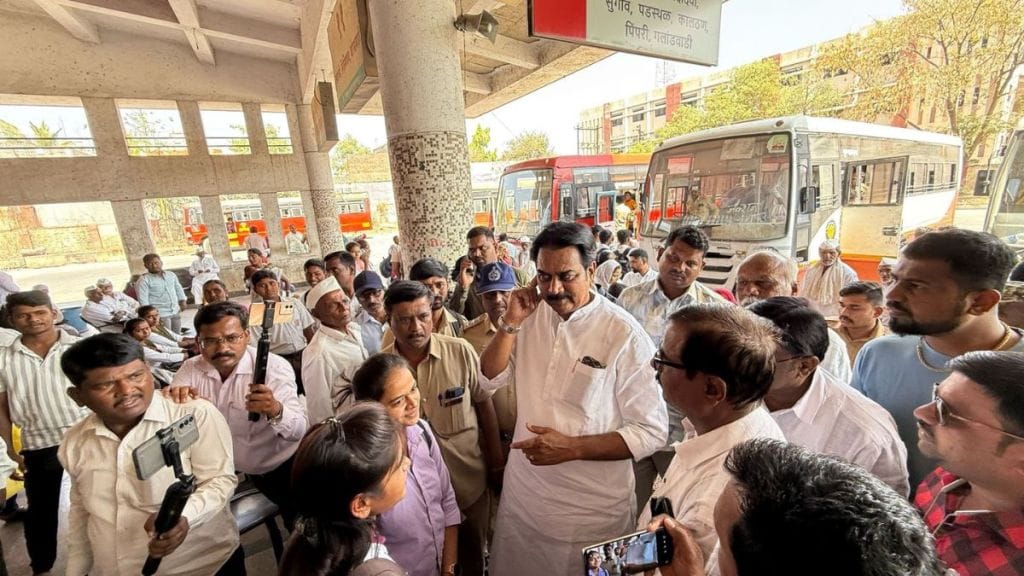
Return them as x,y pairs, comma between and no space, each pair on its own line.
348,470
421,531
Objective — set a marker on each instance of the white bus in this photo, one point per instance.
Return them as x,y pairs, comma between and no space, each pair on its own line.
1005,217
792,183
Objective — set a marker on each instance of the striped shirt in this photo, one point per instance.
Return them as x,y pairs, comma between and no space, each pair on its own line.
36,393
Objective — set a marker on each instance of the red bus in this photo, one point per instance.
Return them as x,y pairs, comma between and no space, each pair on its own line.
581,189
239,215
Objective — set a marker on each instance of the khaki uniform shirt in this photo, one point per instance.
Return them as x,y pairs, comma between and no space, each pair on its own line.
451,363
448,326
479,333
853,345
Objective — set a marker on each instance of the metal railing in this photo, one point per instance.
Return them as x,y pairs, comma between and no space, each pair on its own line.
61,147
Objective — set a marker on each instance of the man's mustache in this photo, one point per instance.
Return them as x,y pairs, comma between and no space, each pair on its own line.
556,297
896,306
224,355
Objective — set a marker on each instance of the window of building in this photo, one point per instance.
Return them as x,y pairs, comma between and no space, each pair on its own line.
224,126
928,53
638,115
152,128
920,111
44,127
984,41
976,95
275,125
931,116
960,99
659,109
616,119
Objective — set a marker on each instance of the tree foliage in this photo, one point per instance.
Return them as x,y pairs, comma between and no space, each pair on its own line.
275,143
341,155
43,141
478,145
528,145
956,55
753,91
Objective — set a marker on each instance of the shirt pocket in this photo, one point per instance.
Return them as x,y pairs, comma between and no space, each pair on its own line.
584,393
448,421
238,419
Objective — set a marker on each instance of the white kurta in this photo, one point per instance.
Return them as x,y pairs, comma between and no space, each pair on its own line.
549,513
328,364
202,271
833,418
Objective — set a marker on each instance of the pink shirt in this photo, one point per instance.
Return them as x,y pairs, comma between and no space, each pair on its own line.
261,446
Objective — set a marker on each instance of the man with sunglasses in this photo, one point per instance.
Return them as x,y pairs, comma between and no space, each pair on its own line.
818,411
974,502
715,365
223,374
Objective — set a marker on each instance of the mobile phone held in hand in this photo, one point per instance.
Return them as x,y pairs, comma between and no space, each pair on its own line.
632,554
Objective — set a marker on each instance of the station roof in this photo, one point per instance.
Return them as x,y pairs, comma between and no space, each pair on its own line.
293,33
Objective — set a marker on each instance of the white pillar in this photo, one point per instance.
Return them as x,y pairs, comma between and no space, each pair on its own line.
321,186
424,110
130,217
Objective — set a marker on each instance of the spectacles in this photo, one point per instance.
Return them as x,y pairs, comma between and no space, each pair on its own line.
945,414
230,339
659,360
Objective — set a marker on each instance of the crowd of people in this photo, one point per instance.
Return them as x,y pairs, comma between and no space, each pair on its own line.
536,397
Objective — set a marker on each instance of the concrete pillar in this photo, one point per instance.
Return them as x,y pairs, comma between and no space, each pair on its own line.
272,217
254,129
216,229
321,186
130,217
312,237
421,90
105,126
192,125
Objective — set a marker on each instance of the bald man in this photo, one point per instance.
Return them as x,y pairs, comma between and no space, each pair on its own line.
766,274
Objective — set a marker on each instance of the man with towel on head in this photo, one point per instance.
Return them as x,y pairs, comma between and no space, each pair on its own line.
334,353
825,279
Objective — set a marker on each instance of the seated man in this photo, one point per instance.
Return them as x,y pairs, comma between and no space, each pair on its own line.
215,291
788,511
817,411
715,365
100,314
160,333
112,511
116,300
974,502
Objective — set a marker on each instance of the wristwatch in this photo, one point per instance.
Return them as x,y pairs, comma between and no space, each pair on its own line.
507,328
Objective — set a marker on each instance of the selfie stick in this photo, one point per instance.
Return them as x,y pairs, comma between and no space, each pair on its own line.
259,373
175,497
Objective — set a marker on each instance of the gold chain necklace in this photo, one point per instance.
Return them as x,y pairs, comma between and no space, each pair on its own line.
1002,345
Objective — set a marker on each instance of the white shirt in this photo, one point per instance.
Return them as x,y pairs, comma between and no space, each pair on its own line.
101,315
578,501
696,477
122,301
7,466
260,446
160,354
286,338
8,336
634,278
295,243
372,331
205,267
837,358
161,340
328,364
37,393
110,505
833,418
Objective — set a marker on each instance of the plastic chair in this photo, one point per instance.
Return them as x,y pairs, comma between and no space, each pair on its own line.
250,509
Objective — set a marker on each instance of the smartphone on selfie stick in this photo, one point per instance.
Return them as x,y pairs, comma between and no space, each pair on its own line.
154,454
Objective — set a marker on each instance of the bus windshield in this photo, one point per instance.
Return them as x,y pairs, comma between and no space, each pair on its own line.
738,188
1006,212
525,200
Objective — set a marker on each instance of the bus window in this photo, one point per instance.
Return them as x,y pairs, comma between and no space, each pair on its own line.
875,183
738,188
527,205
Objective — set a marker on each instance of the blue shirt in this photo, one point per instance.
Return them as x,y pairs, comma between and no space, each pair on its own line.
889,372
162,291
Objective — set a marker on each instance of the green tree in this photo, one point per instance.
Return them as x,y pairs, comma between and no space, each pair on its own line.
478,151
44,141
753,91
346,148
150,135
528,145
956,55
275,143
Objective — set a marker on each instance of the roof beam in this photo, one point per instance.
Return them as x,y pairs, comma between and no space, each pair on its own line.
481,5
477,83
188,15
504,49
76,25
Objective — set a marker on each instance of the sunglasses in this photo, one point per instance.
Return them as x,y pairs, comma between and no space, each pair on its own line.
945,414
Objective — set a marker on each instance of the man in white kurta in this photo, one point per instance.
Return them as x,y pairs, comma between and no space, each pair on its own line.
333,355
587,405
203,269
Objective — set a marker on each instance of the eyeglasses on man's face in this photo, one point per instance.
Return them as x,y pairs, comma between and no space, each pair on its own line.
945,414
659,360
230,339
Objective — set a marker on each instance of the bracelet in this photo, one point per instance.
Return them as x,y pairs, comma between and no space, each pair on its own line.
507,328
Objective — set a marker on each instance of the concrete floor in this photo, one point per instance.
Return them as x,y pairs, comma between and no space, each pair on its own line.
259,556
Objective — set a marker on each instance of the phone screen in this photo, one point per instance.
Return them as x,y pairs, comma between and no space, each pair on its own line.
629,554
